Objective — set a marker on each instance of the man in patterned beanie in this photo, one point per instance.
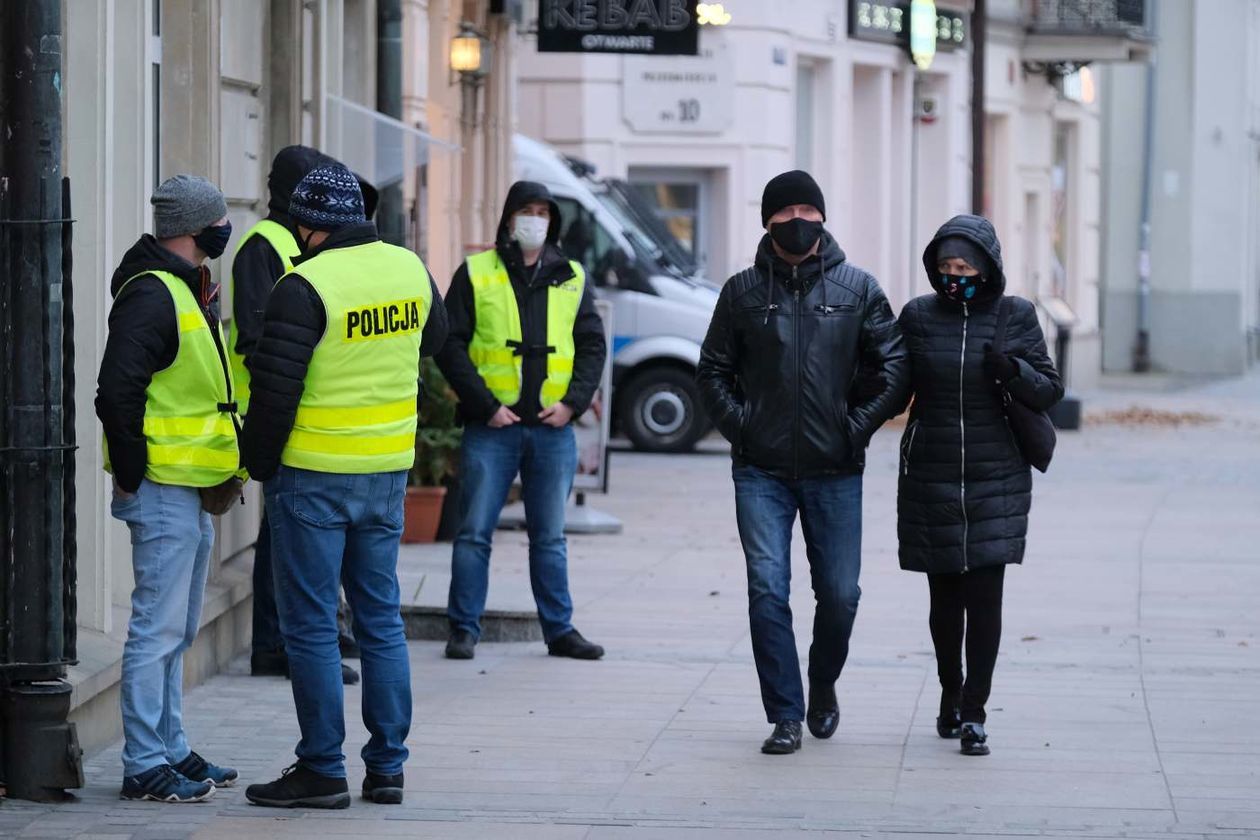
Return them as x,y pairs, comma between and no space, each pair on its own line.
331,431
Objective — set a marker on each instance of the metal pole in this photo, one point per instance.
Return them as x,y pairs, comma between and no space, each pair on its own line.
390,219
979,23
1142,341
40,749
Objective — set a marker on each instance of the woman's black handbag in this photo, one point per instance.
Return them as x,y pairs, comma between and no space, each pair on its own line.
1034,433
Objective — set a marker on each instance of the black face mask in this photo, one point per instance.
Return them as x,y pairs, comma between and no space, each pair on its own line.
214,240
796,236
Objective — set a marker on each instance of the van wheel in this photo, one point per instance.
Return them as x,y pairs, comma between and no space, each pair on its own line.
660,411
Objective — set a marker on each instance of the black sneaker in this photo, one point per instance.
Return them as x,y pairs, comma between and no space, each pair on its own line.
784,740
299,787
197,769
461,645
383,790
163,784
269,663
572,645
349,676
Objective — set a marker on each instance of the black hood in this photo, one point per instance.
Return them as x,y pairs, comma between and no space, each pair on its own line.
148,255
520,194
828,257
979,231
291,165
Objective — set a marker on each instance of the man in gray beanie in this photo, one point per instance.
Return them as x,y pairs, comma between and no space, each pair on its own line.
165,400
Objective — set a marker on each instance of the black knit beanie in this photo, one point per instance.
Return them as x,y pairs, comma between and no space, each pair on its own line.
795,187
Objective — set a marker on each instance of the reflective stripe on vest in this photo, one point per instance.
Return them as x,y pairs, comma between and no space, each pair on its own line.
191,442
495,346
286,248
358,407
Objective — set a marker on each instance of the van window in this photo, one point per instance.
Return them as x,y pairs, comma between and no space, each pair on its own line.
586,241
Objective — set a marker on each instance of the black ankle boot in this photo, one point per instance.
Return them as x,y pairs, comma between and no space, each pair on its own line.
949,720
784,740
823,714
974,739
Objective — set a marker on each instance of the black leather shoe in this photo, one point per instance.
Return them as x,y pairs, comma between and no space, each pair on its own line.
784,740
572,645
349,676
269,663
383,790
299,787
461,645
823,714
973,739
949,725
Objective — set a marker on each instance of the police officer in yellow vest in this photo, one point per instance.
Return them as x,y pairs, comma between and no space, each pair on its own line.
265,252
166,404
525,356
331,429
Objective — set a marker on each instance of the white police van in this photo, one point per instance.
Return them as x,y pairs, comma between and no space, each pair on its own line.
661,308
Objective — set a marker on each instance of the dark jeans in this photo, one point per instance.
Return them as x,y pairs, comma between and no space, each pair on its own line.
967,607
831,519
330,530
546,459
267,636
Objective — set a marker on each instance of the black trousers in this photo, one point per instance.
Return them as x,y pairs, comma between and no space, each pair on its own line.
966,609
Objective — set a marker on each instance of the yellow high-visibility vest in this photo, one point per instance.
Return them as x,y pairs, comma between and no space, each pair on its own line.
358,409
286,247
189,422
495,348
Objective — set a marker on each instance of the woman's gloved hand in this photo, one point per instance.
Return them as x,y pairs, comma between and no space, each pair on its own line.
999,367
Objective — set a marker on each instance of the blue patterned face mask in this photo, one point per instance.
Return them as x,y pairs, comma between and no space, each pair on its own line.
960,287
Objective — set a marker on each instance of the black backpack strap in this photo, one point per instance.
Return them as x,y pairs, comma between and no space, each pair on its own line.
1005,305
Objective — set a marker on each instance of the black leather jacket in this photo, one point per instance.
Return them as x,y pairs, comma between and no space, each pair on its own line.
802,364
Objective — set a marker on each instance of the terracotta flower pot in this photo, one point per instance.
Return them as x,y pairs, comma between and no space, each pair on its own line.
422,511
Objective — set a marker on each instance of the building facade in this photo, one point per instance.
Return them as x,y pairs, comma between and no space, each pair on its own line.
1198,166
216,88
826,88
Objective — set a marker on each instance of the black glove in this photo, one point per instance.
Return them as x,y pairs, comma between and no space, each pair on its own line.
999,367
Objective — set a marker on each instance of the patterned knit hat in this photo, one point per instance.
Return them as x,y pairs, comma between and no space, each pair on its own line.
327,199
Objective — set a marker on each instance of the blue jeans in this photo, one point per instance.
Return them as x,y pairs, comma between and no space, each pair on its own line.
171,538
831,518
330,530
546,458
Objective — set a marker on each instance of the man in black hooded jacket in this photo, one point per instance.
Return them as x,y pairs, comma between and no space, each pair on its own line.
525,355
265,253
803,362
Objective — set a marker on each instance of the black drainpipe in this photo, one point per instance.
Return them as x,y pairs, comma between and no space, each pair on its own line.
39,749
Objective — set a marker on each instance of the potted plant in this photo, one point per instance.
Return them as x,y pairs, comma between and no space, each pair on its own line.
438,438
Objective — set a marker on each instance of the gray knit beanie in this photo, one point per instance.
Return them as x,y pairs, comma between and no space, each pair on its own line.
186,204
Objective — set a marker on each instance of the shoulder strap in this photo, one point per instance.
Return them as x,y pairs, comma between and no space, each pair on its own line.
1004,314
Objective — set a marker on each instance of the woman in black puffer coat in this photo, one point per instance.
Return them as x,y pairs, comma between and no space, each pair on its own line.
965,490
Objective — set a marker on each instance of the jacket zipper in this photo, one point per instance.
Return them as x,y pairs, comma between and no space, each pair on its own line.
796,352
914,430
962,428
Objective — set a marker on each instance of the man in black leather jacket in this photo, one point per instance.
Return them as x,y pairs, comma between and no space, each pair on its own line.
803,362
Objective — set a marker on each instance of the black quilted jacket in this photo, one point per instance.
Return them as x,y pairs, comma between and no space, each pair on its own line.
965,491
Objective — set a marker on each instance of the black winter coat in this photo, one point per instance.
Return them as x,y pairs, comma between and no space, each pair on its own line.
801,365
964,490
293,324
476,403
143,339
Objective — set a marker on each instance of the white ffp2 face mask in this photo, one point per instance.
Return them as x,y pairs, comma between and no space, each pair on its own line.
530,231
